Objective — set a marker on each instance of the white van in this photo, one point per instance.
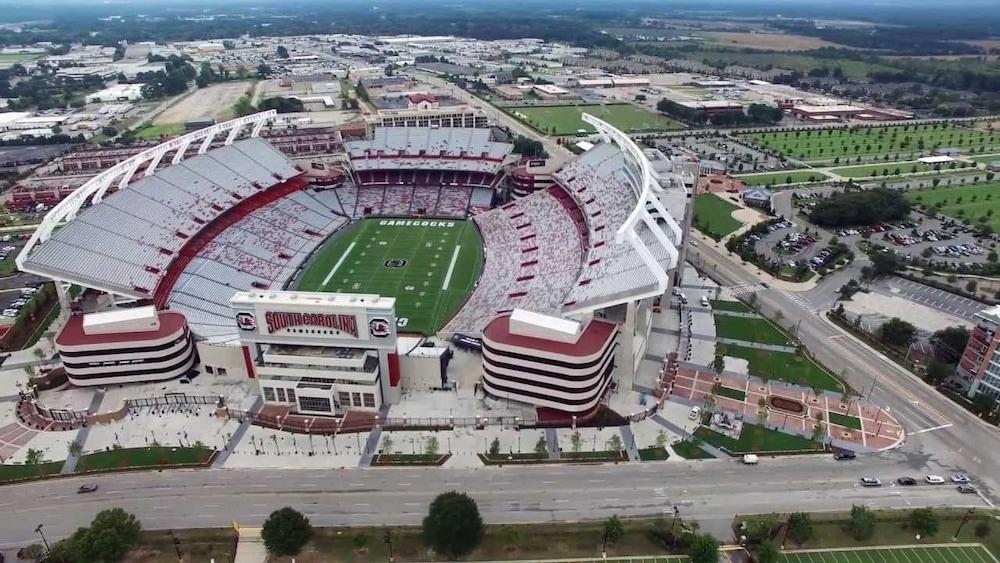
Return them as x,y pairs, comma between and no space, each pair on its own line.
695,412
750,459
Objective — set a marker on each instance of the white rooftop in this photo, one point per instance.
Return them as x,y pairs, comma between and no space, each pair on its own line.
939,159
135,319
537,325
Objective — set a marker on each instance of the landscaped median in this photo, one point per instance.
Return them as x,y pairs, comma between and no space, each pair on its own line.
124,459
564,457
410,459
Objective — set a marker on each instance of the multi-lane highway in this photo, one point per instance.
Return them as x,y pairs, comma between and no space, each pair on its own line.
708,491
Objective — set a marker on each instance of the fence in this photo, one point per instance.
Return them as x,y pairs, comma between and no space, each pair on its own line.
175,399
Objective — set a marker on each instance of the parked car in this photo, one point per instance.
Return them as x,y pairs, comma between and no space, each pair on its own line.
934,479
960,478
870,482
906,481
89,488
966,488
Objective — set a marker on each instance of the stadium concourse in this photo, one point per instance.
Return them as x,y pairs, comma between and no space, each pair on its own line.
220,237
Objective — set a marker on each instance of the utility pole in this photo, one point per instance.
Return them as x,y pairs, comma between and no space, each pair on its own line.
44,541
388,542
961,524
177,544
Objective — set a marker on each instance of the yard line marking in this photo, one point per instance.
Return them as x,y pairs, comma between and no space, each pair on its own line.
941,427
336,266
451,267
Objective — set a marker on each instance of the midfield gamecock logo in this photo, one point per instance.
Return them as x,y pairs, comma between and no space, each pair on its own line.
395,263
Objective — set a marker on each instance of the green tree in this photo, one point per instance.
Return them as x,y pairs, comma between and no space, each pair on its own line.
576,441
75,448
285,532
453,526
614,530
614,443
541,447
432,445
360,542
949,342
703,549
924,521
861,523
767,552
938,371
661,439
897,332
111,534
495,446
34,457
800,527
282,52
387,444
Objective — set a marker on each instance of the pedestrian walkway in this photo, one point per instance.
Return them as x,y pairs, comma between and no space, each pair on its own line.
683,433
234,440
743,289
69,466
552,443
798,300
628,440
250,546
371,447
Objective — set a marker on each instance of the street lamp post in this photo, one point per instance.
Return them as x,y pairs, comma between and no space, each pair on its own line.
968,514
177,544
44,541
388,542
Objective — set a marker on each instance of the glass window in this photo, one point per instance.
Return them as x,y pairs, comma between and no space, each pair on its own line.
291,395
281,394
370,400
318,404
269,393
357,399
221,371
345,399
208,369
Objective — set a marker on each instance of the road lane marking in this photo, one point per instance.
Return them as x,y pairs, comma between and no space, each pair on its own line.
931,429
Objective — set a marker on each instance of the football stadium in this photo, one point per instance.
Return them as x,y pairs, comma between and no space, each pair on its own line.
331,281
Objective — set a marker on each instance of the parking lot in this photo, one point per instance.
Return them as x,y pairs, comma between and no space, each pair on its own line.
737,157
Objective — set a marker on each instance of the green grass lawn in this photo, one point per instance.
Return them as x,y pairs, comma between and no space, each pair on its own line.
757,439
782,178
945,554
565,120
893,169
713,215
985,158
689,450
7,265
749,330
969,203
845,420
428,266
783,366
142,457
737,394
20,57
733,306
653,454
18,472
897,141
155,132
792,61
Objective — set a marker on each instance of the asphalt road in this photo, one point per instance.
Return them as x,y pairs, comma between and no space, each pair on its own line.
939,431
708,491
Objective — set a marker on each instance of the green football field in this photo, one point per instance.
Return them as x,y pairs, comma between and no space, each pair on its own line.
929,554
565,120
429,266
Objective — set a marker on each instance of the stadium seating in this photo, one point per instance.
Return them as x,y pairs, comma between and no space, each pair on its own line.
140,229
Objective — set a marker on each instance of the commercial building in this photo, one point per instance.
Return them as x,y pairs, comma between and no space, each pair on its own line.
116,93
980,363
320,353
547,361
125,346
423,110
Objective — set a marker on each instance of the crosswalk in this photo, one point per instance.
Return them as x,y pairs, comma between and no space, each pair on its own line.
798,300
743,289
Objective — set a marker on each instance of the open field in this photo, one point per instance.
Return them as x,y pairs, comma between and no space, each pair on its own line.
428,266
894,169
784,366
565,119
935,554
766,41
216,102
155,132
782,178
897,142
985,158
747,329
791,61
975,204
20,57
758,439
713,215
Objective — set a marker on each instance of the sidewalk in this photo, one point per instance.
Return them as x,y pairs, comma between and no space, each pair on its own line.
250,547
